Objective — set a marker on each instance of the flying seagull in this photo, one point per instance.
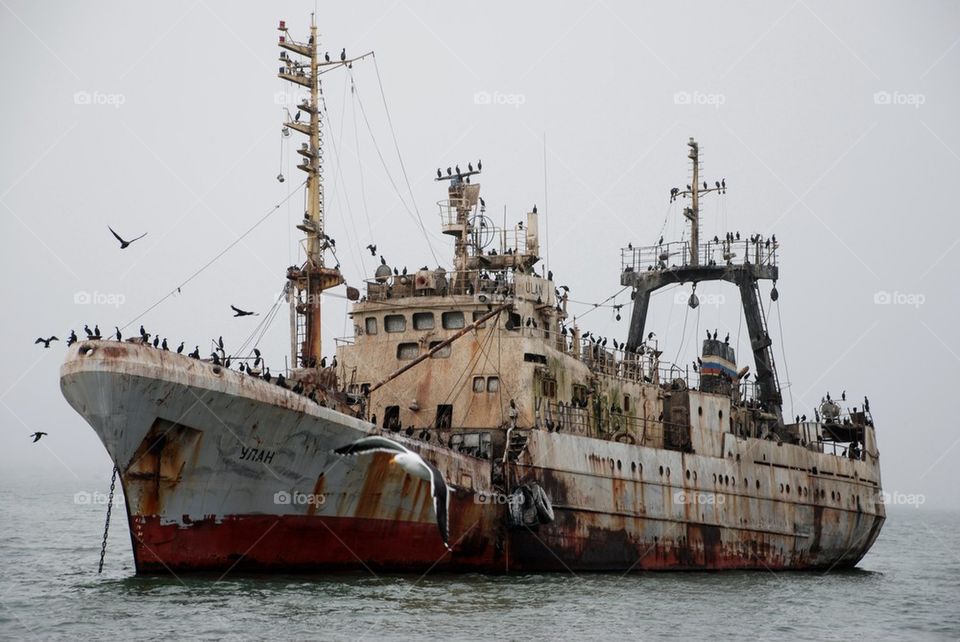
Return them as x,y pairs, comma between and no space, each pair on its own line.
237,312
414,465
46,342
125,244
37,435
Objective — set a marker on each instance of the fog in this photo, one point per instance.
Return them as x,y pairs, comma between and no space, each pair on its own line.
834,125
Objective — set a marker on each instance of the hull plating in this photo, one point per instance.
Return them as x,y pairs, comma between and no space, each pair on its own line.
222,471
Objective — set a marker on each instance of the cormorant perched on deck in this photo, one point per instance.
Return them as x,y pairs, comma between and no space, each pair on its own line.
534,208
457,168
439,173
705,185
843,396
479,165
118,335
717,183
449,172
343,54
326,56
727,338
660,242
196,353
163,344
72,338
469,167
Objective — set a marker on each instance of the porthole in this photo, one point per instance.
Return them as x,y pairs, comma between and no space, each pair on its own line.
788,489
668,471
619,465
688,474
633,466
700,411
781,488
758,484
661,471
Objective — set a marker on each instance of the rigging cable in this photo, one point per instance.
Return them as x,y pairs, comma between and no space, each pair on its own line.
396,145
786,369
214,259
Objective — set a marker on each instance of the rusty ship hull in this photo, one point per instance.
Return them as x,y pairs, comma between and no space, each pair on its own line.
223,471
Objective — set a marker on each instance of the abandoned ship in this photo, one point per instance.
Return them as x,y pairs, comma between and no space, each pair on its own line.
561,453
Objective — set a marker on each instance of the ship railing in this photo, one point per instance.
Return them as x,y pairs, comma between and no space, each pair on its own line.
495,284
758,251
613,362
450,211
582,416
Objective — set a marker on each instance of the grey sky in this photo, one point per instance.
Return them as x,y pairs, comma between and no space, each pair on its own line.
181,139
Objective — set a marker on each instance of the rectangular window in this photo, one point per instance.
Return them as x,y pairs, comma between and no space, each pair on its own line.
513,321
371,325
493,384
530,357
442,353
549,387
407,351
453,320
423,321
444,419
478,384
626,403
391,418
394,323
478,315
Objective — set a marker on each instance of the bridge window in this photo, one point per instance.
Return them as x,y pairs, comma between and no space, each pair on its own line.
493,384
478,314
514,322
479,385
442,353
406,351
370,323
626,403
423,321
394,323
453,320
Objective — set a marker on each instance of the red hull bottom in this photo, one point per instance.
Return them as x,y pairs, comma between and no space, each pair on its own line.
305,544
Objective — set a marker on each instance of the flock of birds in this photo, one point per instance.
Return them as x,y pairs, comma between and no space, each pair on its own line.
720,186
455,171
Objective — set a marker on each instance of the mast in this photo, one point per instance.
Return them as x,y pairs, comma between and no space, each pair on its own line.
693,212
313,277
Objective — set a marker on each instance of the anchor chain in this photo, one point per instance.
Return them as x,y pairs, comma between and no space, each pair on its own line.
106,526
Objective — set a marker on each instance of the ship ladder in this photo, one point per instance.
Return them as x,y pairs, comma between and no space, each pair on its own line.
106,526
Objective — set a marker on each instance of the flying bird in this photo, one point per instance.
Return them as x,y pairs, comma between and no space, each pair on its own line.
414,465
237,312
45,342
37,435
125,244
373,249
